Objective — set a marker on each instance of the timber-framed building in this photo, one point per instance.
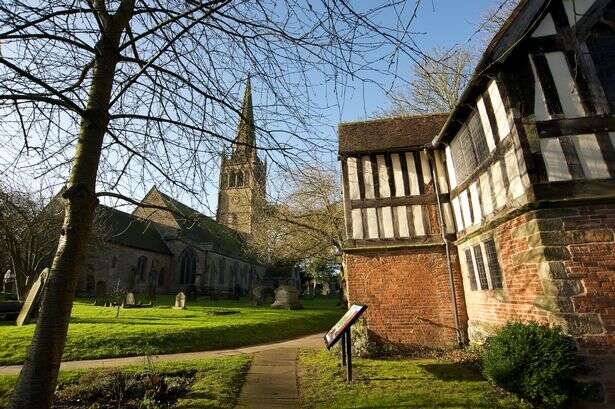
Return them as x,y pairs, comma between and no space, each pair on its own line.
503,209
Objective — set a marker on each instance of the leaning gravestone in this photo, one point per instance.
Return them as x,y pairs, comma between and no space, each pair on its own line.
180,301
129,300
287,296
32,298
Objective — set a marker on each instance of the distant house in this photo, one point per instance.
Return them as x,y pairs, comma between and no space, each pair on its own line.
503,209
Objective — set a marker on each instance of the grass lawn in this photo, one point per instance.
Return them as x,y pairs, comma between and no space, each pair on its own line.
94,332
403,383
217,383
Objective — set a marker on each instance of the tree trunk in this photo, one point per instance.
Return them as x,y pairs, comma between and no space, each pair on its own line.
40,371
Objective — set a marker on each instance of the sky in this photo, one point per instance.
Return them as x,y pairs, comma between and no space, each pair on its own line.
439,23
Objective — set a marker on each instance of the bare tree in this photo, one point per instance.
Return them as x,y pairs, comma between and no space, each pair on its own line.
118,92
494,18
437,81
28,234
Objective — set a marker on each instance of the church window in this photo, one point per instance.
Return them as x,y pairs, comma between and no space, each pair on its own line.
231,179
161,278
187,267
222,265
239,182
141,266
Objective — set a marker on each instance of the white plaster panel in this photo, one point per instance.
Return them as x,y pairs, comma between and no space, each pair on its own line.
565,85
447,214
498,185
441,171
402,220
485,193
383,177
387,222
540,105
417,216
465,208
484,120
412,175
372,223
592,161
546,27
457,212
397,175
499,109
425,167
449,166
357,224
576,9
353,179
476,210
368,177
512,170
555,161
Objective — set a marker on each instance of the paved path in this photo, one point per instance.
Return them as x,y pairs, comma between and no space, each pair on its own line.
308,342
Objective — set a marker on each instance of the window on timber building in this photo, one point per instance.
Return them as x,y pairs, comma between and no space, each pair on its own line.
469,148
494,265
480,267
187,266
471,274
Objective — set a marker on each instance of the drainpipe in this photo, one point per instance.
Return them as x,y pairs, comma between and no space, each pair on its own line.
451,280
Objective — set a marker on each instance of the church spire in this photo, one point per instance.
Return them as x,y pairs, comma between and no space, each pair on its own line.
245,141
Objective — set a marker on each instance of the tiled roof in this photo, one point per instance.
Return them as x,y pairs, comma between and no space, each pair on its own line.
126,229
389,134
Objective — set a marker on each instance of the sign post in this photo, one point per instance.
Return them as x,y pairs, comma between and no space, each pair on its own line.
341,330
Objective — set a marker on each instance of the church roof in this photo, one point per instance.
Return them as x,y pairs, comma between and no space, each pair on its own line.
389,134
198,227
128,230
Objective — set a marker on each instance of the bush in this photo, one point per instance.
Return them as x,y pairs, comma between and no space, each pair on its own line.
534,361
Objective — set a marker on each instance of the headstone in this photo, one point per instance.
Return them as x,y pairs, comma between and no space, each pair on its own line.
258,295
287,297
129,299
32,298
101,293
8,283
180,301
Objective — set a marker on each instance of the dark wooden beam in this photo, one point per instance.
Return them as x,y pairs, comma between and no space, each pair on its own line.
575,126
425,199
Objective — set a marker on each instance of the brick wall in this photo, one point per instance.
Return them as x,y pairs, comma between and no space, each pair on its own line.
559,267
407,293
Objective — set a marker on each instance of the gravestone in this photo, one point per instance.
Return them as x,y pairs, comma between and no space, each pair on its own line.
129,300
258,295
100,293
180,301
32,298
8,283
287,297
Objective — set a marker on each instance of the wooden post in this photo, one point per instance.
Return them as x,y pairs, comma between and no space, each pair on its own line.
348,356
344,349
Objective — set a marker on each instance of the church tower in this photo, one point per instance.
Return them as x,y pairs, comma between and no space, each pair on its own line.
243,175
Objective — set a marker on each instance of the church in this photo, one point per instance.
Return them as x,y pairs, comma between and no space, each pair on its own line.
504,208
181,249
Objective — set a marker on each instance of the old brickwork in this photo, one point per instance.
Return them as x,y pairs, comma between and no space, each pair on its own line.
558,267
407,294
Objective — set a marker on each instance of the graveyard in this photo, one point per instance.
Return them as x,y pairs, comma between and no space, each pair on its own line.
95,332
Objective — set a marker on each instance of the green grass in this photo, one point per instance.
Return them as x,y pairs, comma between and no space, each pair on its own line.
217,385
94,332
400,383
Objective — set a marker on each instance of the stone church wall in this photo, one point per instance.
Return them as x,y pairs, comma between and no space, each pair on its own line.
407,293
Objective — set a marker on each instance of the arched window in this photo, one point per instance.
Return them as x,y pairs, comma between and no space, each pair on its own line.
231,179
187,266
161,278
222,268
239,180
141,267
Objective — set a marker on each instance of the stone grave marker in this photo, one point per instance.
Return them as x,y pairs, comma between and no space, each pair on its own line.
129,300
180,301
287,297
32,298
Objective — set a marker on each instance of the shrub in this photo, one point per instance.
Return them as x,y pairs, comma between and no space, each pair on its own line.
534,361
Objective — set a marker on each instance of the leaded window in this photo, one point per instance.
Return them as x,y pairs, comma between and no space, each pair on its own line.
494,266
469,148
480,267
187,266
471,274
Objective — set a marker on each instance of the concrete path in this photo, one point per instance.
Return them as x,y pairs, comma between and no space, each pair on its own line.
309,341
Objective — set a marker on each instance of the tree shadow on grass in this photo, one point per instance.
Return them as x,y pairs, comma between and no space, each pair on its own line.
125,321
453,372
